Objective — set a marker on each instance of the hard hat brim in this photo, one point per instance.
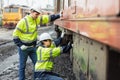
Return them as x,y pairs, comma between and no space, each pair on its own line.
37,11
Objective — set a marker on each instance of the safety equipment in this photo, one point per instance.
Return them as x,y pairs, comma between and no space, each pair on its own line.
26,32
61,13
62,34
45,36
45,58
23,47
37,8
67,47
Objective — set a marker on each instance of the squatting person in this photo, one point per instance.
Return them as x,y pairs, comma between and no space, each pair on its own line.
46,52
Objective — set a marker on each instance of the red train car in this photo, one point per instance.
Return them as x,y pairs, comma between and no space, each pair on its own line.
94,28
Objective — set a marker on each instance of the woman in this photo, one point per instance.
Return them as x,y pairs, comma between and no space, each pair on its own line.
46,52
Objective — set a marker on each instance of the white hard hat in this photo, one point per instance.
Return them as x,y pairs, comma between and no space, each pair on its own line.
37,8
45,36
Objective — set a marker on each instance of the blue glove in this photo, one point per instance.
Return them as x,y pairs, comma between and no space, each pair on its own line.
67,47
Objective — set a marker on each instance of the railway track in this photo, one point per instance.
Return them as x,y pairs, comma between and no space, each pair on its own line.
3,42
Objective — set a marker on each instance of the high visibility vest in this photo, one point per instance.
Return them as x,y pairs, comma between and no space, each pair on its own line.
45,58
26,29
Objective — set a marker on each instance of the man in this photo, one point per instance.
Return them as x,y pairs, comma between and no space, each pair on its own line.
25,36
46,52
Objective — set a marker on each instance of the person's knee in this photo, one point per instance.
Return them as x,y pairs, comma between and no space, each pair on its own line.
61,79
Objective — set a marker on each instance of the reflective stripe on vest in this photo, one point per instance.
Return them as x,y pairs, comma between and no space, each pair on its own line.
40,21
26,25
43,70
27,28
51,58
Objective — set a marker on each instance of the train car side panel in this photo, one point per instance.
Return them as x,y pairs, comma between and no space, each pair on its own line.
94,26
89,59
105,31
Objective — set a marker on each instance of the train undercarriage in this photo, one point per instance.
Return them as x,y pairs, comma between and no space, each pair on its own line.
92,60
94,28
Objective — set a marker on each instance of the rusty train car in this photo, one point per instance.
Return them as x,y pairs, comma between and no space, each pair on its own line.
12,14
94,26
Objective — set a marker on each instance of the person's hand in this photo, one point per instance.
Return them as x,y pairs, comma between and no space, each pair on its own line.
67,47
70,44
23,47
62,34
61,13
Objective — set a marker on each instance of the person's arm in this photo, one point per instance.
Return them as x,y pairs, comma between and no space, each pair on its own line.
63,49
58,41
52,52
44,19
17,42
17,33
49,52
67,47
54,17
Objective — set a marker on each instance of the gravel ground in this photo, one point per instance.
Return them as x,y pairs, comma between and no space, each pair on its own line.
63,66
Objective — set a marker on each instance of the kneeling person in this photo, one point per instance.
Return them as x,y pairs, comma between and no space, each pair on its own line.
46,52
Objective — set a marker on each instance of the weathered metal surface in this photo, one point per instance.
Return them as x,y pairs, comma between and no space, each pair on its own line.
81,16
95,25
105,30
103,7
80,57
89,8
89,59
97,61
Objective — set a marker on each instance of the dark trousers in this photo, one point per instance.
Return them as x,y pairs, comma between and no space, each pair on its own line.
47,76
23,56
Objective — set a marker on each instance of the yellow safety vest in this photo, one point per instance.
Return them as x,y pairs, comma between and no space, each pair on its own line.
26,29
45,58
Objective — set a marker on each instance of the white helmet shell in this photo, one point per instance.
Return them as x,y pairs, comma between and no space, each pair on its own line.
37,8
44,36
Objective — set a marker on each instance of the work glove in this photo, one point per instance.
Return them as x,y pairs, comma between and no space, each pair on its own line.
38,38
62,34
67,47
23,47
61,13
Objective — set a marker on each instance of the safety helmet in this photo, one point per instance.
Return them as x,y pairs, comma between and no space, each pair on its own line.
44,36
36,8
